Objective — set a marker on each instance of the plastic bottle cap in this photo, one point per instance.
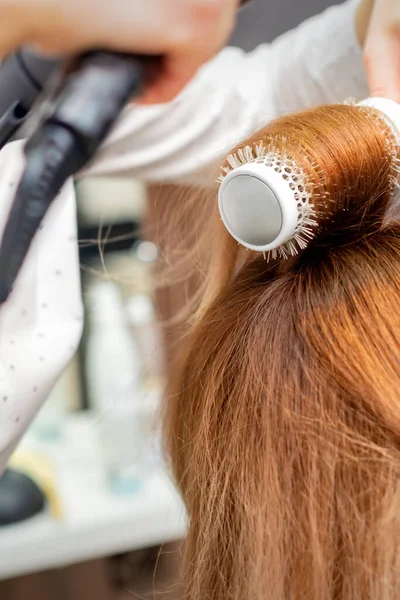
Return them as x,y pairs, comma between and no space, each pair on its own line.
258,207
140,310
146,252
105,303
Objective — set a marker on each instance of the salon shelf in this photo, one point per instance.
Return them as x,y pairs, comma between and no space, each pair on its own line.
96,523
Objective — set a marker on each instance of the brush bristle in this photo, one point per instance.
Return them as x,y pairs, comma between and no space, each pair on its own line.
301,189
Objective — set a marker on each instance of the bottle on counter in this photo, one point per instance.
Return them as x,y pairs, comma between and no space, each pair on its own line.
145,329
114,380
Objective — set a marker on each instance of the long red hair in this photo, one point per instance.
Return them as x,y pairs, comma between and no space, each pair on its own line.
283,416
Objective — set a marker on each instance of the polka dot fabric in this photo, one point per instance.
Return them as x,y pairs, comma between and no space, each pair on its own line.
41,323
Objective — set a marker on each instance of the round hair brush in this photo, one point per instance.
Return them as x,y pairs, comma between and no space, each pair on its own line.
266,197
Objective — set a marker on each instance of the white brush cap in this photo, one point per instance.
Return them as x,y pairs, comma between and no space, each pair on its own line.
389,108
258,207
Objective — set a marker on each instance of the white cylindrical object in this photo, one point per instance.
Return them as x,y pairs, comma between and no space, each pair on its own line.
112,360
113,370
148,335
258,207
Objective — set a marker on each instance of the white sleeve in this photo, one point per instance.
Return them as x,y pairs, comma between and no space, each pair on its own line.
318,62
41,322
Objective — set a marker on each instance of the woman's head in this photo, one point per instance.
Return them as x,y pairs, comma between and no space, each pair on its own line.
283,421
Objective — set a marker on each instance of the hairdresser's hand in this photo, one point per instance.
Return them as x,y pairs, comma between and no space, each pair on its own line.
379,30
187,32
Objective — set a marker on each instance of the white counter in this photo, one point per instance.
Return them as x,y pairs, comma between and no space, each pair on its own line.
96,523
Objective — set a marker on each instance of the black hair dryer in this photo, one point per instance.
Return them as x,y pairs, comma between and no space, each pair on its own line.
23,77
88,95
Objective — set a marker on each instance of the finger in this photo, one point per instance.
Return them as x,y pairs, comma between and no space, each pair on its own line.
147,27
177,73
10,40
382,63
164,90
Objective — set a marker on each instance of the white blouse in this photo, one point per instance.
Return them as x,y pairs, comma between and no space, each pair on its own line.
231,97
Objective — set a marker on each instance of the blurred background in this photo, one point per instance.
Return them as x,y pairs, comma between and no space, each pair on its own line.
87,508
